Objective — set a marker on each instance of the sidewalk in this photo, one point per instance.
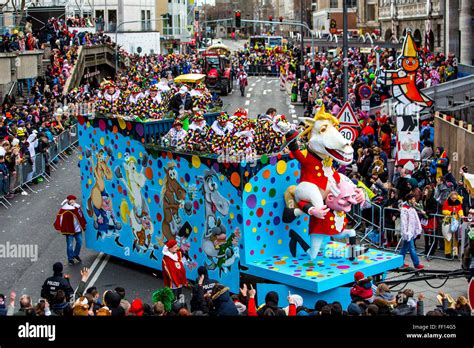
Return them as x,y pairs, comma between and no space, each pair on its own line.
455,287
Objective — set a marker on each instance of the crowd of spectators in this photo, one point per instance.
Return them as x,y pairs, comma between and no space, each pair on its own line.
208,297
31,126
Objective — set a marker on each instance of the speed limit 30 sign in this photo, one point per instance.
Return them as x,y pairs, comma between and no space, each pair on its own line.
348,133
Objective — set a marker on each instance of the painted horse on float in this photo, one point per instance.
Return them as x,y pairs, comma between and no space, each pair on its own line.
318,177
139,214
221,251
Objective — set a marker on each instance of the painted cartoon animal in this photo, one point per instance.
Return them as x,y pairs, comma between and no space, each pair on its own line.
107,224
172,196
102,172
318,177
220,249
140,220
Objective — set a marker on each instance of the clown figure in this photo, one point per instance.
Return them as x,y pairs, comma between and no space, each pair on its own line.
410,99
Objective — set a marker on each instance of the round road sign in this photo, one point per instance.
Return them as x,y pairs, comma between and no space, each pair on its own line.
348,133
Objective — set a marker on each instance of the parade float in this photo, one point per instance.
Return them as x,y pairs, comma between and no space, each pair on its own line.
262,215
227,216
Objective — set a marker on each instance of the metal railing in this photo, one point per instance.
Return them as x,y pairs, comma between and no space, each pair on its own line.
262,70
379,231
25,173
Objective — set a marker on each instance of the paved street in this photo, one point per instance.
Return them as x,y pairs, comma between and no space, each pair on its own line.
30,220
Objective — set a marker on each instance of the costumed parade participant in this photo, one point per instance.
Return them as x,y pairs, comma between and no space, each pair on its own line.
151,104
109,99
70,222
174,273
133,102
219,133
270,134
318,177
197,134
176,136
241,145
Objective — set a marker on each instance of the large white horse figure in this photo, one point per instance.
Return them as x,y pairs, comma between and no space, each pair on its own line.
318,177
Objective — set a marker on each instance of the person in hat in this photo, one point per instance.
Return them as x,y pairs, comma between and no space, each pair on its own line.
453,212
174,273
109,100
176,136
70,222
151,105
57,282
219,133
135,95
197,133
362,288
181,104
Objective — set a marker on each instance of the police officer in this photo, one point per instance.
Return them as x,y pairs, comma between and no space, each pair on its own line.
55,283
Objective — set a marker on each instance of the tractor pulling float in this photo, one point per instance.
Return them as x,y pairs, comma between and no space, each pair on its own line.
217,68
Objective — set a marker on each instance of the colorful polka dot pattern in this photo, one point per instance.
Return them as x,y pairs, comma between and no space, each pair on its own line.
117,136
321,268
263,197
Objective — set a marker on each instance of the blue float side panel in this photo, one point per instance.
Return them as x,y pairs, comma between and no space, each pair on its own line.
133,180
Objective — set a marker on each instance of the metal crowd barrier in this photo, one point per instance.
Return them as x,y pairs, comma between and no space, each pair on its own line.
27,172
377,229
262,70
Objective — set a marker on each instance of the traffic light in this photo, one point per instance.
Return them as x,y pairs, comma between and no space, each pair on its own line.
281,19
238,23
270,18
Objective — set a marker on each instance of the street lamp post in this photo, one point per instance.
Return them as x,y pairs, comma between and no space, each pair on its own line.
116,36
344,50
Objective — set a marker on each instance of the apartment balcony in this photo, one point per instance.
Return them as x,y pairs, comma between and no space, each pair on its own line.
410,11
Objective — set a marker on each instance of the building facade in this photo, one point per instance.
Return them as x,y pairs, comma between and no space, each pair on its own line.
327,10
425,18
367,16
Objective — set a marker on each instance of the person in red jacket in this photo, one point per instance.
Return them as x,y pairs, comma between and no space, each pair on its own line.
174,273
70,222
362,289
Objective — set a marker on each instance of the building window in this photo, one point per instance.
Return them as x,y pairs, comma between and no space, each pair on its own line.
334,4
438,34
143,21
351,3
371,12
148,19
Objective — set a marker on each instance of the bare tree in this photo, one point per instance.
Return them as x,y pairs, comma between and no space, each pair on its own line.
19,10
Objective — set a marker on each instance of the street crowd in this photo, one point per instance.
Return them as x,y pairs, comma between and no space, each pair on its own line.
207,297
31,126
